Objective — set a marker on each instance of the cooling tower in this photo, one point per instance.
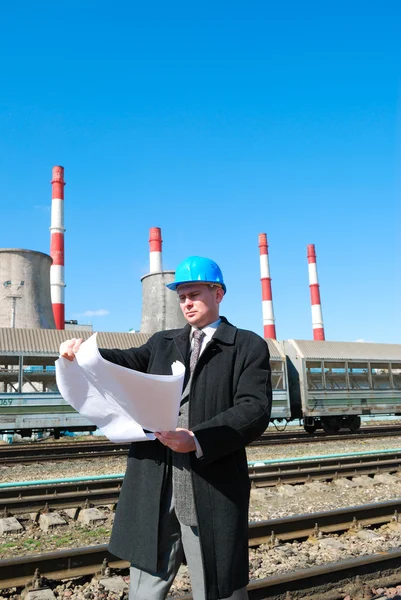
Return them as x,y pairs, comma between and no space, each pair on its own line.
25,300
160,307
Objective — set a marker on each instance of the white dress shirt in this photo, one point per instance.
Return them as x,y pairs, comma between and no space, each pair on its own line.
209,331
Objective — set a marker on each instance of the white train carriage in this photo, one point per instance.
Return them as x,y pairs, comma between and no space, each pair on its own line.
338,382
281,407
34,412
29,398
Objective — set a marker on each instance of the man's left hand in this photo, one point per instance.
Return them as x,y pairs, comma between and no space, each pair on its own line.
180,440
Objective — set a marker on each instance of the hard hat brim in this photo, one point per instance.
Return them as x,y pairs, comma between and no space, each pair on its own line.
175,284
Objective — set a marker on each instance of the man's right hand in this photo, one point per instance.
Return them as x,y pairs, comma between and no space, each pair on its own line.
69,348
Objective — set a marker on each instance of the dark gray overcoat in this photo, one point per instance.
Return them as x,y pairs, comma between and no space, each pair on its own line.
229,407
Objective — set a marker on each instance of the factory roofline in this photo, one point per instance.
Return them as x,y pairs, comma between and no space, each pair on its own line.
46,342
320,350
275,350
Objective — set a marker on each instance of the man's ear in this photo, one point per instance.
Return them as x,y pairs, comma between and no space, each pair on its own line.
219,294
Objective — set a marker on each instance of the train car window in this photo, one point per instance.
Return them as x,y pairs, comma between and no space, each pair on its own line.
335,375
9,374
358,374
381,379
277,368
396,372
39,378
314,375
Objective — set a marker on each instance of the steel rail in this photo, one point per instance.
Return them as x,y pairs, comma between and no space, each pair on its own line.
61,500
64,564
338,520
301,437
61,457
323,469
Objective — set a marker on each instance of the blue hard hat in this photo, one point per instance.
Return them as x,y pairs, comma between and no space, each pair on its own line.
197,269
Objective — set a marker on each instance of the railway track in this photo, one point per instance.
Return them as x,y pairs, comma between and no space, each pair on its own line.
65,564
105,491
34,452
324,469
299,437
28,453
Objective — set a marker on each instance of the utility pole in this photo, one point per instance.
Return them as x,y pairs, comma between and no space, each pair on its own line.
15,293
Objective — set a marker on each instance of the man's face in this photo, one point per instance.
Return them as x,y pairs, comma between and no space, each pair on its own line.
200,303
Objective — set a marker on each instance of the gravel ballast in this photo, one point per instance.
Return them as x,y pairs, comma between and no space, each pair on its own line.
266,503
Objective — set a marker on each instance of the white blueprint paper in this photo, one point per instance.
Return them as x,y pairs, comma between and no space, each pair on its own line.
120,401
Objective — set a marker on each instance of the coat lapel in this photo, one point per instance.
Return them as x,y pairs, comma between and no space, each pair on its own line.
225,334
181,342
180,338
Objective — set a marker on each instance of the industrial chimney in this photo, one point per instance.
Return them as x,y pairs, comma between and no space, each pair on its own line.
160,306
155,255
57,229
269,328
317,317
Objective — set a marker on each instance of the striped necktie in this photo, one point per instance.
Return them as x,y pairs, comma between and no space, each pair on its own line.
197,336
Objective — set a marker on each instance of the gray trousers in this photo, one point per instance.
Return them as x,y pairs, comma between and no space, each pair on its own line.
175,539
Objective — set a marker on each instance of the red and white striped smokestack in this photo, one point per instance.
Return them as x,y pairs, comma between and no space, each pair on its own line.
269,329
57,229
317,317
155,244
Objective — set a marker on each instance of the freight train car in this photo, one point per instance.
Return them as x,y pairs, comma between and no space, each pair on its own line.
26,413
281,407
333,384
29,398
323,384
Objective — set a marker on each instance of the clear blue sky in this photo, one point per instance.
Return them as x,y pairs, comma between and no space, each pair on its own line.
215,121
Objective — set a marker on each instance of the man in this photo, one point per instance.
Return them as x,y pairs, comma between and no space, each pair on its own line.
188,491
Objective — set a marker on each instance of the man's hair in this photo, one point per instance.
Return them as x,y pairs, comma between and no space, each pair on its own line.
212,285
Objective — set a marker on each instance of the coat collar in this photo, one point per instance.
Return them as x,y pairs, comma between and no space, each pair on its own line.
225,333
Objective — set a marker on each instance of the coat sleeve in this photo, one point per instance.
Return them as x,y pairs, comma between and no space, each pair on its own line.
249,415
133,358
